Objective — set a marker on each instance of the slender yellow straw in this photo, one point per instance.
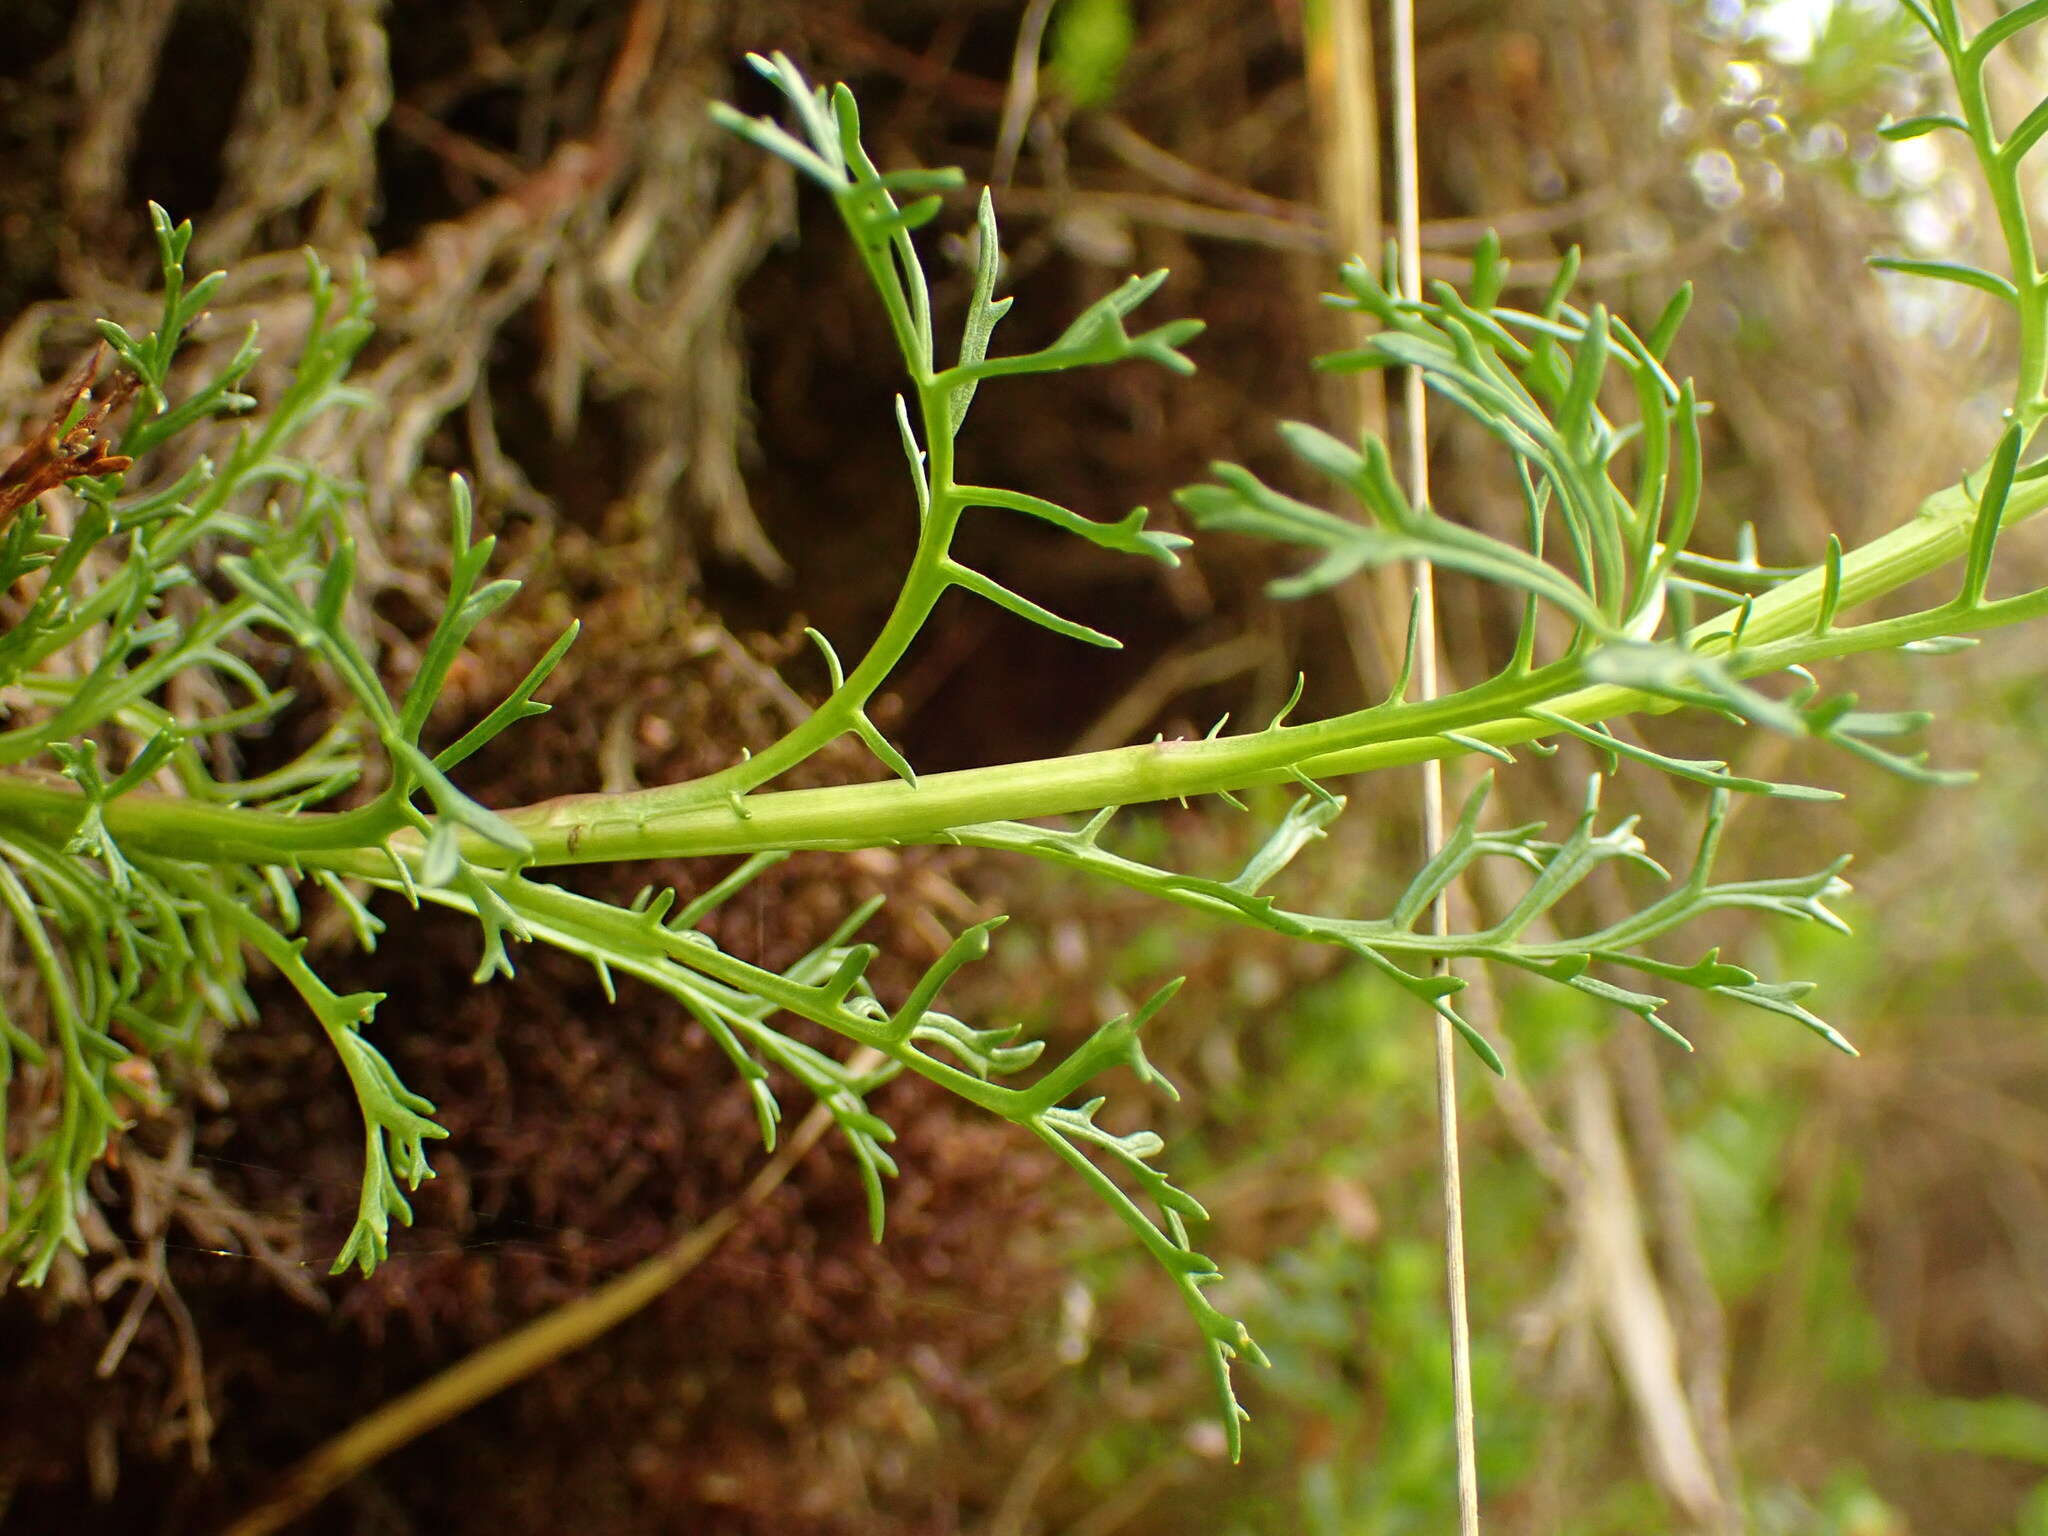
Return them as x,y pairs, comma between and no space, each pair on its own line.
1408,193
518,1355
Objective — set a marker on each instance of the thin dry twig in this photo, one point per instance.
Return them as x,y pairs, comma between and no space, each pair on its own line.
1631,1306
1702,1330
64,448
520,1354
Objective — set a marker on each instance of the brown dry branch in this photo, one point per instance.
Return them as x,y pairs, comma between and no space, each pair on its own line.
68,446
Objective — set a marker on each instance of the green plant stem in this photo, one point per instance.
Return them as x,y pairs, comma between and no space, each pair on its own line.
923,586
926,580
682,821
2030,392
660,823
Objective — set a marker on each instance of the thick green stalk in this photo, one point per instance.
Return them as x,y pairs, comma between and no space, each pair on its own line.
662,822
682,820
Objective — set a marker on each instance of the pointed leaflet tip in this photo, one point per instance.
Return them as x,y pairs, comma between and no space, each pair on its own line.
846,111
1128,534
892,759
1655,1022
1489,271
1998,286
1913,127
984,309
1665,330
1481,1046
986,586
1329,455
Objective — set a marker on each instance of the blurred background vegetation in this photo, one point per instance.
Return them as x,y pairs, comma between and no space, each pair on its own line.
1757,1288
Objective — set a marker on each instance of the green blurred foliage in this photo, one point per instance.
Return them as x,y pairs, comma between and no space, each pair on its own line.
2013,1428
1091,40
1862,50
